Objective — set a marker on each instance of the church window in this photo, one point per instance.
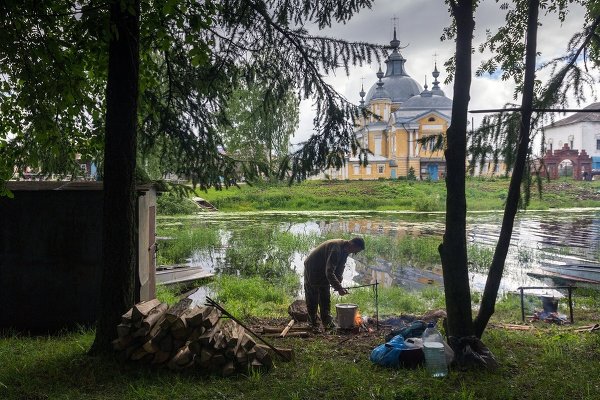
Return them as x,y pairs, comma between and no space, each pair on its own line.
380,169
431,119
571,142
368,170
356,169
377,145
597,144
393,144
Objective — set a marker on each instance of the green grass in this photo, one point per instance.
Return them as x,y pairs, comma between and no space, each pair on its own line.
255,296
548,363
481,194
184,242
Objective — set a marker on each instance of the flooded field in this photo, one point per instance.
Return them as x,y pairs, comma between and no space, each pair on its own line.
401,246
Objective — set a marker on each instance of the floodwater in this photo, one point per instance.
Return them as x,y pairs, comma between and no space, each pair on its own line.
539,237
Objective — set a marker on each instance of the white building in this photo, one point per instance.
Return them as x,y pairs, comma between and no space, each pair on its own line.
580,131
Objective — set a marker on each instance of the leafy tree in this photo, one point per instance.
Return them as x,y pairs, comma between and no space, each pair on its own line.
259,128
169,67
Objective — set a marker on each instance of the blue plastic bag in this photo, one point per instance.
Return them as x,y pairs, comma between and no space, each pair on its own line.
388,354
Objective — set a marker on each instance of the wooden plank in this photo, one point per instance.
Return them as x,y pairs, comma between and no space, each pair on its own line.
299,334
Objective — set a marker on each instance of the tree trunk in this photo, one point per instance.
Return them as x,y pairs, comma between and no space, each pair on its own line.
119,227
492,284
453,250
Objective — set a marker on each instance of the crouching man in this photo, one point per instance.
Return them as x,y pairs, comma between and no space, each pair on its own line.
324,267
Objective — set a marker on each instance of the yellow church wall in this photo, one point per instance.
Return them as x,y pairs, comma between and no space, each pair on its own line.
371,171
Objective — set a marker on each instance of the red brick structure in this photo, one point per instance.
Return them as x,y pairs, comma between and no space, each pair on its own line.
580,160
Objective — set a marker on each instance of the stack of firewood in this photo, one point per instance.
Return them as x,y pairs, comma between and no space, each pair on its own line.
185,336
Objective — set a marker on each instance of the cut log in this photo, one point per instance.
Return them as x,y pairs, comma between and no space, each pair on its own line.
127,317
241,356
181,333
287,353
122,342
178,309
166,344
247,342
263,356
138,354
195,346
161,357
141,310
287,328
205,357
212,318
228,369
256,365
182,358
154,316
197,315
123,329
196,333
218,359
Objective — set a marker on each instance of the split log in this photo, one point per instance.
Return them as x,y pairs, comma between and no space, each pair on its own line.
184,336
228,369
122,342
141,310
182,358
287,328
288,353
195,346
138,354
263,355
205,357
123,329
197,315
161,357
212,318
127,317
154,316
177,310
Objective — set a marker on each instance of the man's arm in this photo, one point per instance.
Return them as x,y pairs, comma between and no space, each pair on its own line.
330,271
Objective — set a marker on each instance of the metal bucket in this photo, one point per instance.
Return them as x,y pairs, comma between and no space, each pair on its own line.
346,312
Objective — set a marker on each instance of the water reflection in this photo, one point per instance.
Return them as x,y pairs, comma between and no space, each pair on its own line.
264,243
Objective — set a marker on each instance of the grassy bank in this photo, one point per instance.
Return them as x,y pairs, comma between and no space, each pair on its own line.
481,194
549,362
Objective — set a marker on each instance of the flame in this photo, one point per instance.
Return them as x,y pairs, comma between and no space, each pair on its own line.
357,319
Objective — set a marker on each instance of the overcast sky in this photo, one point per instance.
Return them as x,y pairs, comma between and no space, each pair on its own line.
419,27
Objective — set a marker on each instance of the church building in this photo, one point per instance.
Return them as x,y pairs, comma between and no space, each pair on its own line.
406,112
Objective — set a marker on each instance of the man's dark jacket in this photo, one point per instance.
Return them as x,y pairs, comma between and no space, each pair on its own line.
325,264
